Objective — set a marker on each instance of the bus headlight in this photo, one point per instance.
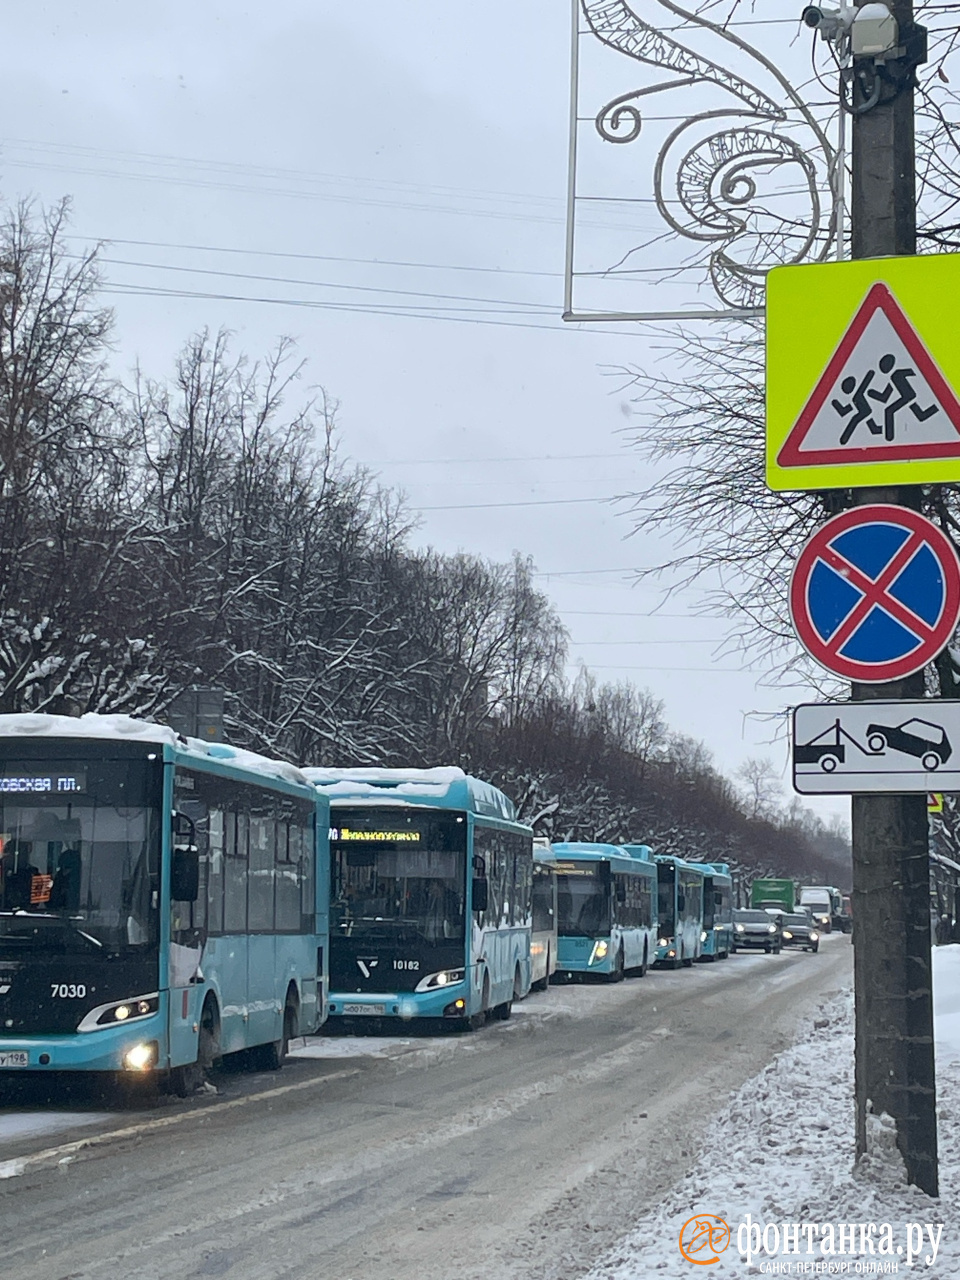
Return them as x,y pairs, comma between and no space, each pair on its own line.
110,1015
142,1056
599,952
703,936
444,978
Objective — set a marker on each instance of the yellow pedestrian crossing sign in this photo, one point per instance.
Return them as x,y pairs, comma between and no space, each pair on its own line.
863,373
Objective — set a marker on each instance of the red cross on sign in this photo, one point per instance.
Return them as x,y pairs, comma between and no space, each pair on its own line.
875,594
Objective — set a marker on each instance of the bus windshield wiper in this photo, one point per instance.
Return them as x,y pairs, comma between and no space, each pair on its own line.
47,921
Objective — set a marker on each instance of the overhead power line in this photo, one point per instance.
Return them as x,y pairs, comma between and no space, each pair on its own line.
540,308
681,640
535,502
530,457
650,669
354,308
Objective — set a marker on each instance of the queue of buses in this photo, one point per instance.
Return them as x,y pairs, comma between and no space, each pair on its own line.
165,902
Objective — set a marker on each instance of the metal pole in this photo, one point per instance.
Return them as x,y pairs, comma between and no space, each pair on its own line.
572,156
840,179
892,974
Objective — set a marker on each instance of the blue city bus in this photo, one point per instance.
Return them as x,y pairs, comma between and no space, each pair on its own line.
543,937
430,896
160,906
606,905
717,933
680,911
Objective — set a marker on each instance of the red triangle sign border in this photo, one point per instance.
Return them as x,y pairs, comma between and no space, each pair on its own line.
879,298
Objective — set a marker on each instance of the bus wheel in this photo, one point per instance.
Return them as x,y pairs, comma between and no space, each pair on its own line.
642,971
208,1044
616,975
183,1081
486,1013
541,984
269,1057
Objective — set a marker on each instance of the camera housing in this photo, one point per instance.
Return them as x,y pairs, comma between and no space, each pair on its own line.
830,23
874,31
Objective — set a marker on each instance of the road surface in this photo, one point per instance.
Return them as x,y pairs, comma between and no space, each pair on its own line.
517,1153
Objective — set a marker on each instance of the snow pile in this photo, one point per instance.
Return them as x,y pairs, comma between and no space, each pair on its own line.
946,1005
383,786
782,1151
92,725
443,775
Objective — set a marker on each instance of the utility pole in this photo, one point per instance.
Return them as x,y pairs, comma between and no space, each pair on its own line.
894,1065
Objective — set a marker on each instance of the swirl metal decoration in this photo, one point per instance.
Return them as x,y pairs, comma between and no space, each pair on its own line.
719,175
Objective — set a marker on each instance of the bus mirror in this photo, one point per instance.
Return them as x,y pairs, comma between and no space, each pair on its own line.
185,875
480,893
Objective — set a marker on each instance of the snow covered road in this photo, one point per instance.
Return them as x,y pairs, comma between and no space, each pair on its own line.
783,1153
523,1152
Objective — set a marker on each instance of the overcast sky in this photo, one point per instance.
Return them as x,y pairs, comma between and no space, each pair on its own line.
273,152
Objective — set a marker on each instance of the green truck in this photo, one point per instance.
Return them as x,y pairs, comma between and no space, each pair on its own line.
773,893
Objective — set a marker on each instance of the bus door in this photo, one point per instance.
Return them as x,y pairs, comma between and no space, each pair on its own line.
264,997
187,937
710,896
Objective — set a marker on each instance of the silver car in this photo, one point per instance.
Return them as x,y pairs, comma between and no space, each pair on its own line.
757,930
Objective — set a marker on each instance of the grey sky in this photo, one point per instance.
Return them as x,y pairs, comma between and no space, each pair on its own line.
411,131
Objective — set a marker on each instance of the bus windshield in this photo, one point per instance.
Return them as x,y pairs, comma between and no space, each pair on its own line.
398,875
583,901
79,868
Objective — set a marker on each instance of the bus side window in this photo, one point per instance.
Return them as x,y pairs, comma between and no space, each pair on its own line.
215,873
308,850
260,874
504,877
620,909
288,877
235,874
523,912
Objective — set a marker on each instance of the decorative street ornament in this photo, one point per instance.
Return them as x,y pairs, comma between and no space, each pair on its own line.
699,193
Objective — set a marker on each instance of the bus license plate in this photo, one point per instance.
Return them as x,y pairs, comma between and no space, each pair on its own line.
374,1009
14,1059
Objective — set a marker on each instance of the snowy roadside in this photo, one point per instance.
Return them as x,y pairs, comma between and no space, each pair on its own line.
781,1152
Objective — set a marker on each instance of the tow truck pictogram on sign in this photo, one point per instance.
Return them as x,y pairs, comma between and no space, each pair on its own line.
847,747
881,397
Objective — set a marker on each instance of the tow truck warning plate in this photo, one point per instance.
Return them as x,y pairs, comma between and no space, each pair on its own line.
898,747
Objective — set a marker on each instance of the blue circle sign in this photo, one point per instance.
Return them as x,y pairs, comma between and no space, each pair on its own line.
875,594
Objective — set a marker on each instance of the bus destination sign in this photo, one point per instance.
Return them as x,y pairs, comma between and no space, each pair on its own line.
43,783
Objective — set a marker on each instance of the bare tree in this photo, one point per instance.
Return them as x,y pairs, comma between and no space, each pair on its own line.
762,787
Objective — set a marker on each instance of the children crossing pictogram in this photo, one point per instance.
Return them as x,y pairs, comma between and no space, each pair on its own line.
900,381
875,594
880,398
